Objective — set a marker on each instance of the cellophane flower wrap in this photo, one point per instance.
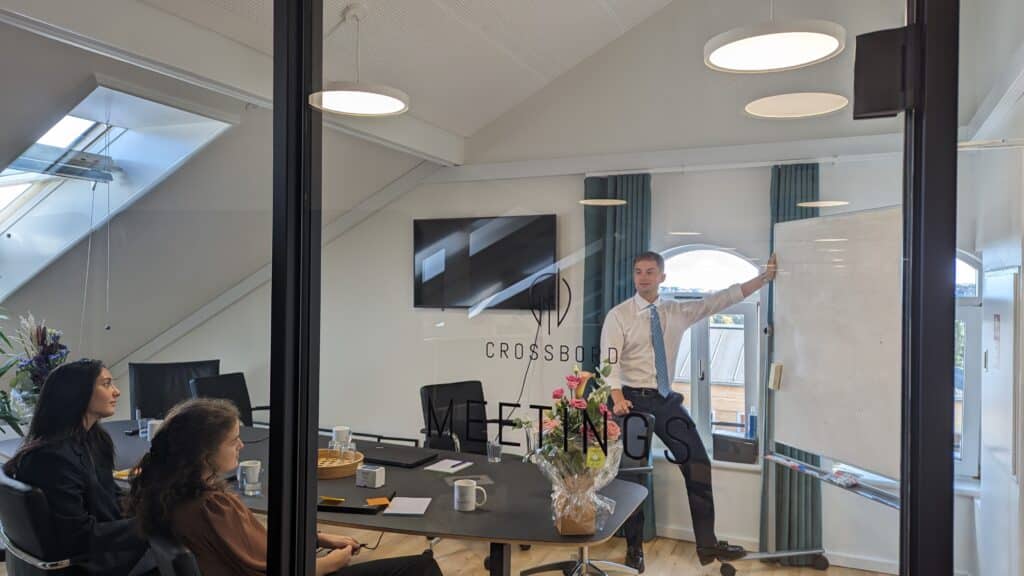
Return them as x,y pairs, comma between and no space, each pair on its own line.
576,472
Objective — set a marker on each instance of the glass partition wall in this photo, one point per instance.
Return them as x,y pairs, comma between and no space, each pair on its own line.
640,291
465,289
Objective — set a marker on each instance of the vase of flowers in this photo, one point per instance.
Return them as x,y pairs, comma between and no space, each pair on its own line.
41,352
579,452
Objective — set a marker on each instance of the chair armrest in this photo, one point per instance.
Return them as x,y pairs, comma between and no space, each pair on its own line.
637,470
454,436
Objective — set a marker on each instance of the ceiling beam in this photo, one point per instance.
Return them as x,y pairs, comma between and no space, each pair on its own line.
675,160
154,40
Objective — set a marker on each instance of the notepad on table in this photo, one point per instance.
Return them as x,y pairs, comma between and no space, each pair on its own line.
449,466
408,506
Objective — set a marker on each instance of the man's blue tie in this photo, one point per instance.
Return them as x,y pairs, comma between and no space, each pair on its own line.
658,343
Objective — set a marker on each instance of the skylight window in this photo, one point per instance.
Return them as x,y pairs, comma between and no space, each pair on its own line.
65,132
10,193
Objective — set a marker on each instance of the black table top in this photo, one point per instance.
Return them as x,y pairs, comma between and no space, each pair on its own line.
518,508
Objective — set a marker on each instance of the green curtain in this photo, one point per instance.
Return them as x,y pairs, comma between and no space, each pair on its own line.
614,236
797,496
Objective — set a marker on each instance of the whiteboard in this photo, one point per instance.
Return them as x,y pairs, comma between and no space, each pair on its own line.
838,310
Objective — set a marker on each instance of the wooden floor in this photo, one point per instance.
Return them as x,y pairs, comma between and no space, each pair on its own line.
664,557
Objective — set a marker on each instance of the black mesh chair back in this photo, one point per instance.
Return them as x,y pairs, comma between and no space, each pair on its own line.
231,387
27,531
155,388
447,409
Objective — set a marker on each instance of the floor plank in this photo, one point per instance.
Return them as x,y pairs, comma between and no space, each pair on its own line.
664,556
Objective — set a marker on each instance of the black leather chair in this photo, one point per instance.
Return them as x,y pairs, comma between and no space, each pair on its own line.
26,530
453,404
155,388
228,387
166,558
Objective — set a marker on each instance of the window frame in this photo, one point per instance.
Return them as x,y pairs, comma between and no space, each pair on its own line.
700,361
968,310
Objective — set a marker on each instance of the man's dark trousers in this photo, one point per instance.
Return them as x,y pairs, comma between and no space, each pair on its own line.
676,429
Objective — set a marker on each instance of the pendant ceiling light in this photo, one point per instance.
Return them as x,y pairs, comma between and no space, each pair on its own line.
797,105
359,98
774,46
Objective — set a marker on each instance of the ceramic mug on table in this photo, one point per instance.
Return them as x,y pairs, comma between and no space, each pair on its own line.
466,492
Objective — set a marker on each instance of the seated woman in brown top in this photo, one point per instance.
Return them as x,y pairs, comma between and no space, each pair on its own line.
179,493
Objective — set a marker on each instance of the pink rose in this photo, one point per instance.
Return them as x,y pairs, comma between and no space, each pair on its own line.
551,424
558,394
604,410
579,403
573,381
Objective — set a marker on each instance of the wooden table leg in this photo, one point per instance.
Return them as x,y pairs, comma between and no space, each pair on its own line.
501,559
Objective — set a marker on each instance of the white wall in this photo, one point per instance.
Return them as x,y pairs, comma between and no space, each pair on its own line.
201,231
650,90
730,208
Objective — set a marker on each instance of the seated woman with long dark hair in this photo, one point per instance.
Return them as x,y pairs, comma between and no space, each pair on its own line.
179,493
71,459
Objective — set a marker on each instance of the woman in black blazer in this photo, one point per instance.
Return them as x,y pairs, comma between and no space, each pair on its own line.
71,459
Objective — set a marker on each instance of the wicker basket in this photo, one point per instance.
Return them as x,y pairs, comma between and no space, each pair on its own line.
329,465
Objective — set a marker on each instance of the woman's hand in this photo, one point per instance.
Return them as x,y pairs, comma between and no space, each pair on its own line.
336,560
338,541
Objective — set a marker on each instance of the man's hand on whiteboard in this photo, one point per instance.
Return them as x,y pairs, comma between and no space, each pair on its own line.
770,269
757,282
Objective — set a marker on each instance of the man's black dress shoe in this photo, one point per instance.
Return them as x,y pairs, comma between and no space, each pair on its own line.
724,552
635,559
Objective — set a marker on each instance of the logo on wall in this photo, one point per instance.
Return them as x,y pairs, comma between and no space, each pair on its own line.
551,300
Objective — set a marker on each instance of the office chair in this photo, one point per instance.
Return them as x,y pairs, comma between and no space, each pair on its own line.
638,441
228,387
453,405
155,388
27,531
166,558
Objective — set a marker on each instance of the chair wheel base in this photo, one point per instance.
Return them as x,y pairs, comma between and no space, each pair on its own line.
727,570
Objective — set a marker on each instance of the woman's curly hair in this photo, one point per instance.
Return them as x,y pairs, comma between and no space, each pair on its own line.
180,465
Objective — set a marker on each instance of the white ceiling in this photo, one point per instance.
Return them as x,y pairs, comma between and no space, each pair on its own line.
462,62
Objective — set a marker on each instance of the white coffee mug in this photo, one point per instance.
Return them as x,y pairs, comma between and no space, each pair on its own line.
151,427
249,471
341,434
466,495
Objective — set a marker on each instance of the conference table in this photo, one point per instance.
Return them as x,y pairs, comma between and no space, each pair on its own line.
517,511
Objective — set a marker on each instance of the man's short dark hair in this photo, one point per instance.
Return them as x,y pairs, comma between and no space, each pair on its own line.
650,257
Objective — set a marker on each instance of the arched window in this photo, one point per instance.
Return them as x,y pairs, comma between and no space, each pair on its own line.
702,270
716,368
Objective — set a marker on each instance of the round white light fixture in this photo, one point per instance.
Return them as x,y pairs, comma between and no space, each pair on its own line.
829,240
823,204
359,98
603,202
774,46
797,105
684,233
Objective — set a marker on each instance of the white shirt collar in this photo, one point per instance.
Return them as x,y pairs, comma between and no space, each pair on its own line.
642,305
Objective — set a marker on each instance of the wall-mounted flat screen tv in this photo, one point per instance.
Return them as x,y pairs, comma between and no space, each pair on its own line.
502,262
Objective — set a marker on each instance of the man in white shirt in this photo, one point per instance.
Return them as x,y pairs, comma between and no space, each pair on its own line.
646,331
